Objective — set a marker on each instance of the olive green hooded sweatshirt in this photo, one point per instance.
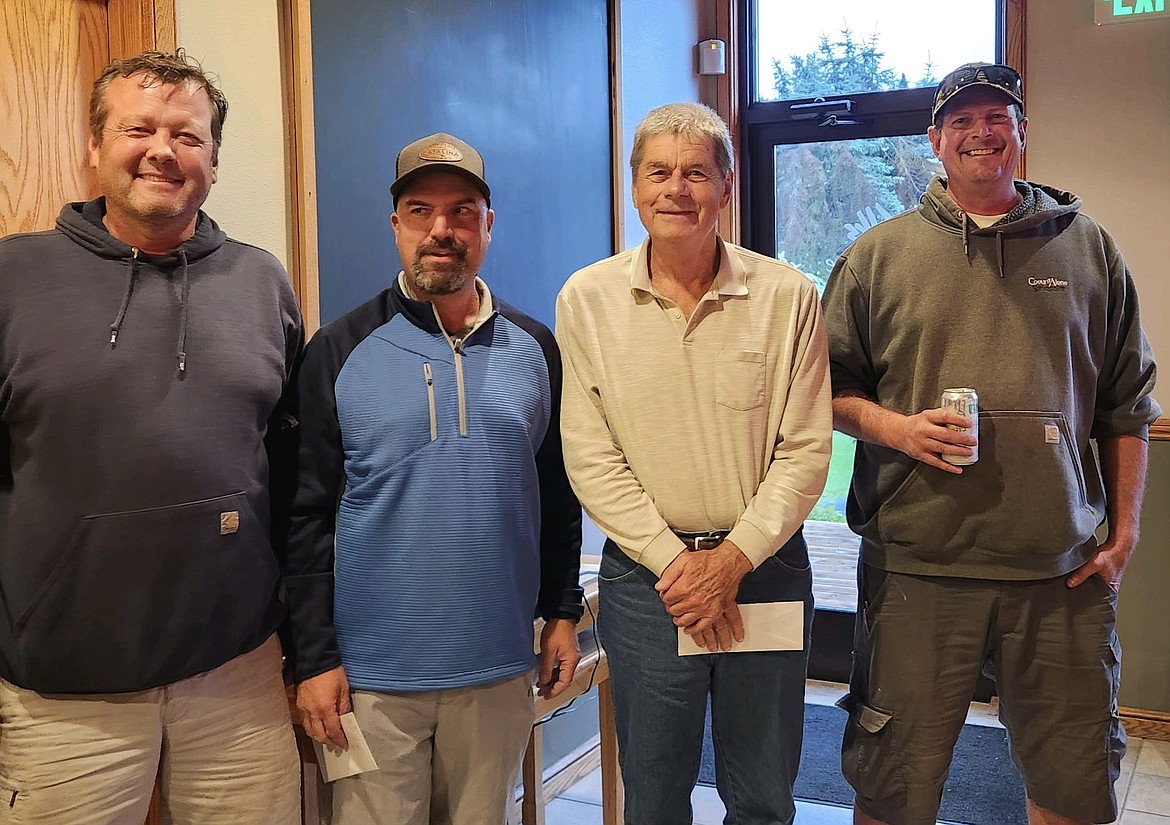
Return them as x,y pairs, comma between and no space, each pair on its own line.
1039,315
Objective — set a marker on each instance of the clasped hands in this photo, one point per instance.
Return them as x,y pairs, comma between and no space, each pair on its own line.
699,588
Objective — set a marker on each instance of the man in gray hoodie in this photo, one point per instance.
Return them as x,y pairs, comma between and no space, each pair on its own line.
1003,286
143,359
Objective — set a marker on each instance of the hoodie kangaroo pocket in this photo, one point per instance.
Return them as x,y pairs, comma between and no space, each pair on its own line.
143,598
1026,494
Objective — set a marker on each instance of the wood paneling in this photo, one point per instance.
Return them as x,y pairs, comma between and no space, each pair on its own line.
1160,430
53,50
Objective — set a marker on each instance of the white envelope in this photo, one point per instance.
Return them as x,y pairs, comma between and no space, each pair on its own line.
766,626
338,764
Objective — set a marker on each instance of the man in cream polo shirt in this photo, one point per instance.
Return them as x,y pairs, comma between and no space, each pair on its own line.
697,427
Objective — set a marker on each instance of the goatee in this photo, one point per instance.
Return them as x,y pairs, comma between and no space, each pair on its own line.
444,278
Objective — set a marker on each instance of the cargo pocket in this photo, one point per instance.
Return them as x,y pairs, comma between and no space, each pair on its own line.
117,611
867,753
739,379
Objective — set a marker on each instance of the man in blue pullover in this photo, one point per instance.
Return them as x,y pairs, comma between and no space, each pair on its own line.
432,519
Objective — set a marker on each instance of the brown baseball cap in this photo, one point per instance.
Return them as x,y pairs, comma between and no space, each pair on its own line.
439,151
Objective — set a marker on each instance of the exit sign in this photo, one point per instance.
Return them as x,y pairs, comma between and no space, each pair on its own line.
1128,11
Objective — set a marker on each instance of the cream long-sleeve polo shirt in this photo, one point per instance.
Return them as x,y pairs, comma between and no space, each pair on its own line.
717,422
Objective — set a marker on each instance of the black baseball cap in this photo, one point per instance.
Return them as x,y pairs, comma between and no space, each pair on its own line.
994,75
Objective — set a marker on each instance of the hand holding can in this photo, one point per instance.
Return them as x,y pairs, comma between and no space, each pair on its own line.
965,402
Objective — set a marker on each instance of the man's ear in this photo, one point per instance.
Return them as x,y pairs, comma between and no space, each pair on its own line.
91,151
935,135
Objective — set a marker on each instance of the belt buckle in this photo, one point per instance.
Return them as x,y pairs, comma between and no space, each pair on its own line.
705,541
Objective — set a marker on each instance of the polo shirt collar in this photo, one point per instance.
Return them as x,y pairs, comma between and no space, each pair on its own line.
731,279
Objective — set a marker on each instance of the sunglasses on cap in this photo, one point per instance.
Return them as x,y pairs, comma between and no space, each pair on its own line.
995,75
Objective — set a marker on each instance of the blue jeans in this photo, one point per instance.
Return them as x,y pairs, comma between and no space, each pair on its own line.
660,698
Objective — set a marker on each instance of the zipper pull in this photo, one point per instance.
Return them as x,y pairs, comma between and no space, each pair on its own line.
428,376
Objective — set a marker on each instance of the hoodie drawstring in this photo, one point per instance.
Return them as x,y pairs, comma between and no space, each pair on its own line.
185,293
181,354
999,249
131,279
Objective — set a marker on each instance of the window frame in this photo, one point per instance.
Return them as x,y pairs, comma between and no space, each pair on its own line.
892,113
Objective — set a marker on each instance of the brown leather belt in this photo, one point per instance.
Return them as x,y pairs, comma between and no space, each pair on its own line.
702,541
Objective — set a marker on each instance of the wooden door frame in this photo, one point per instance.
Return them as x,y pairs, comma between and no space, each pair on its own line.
296,58
140,25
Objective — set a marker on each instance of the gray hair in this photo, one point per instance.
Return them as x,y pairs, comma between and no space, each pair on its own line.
692,120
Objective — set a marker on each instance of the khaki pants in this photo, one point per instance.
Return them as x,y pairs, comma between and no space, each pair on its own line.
222,742
445,757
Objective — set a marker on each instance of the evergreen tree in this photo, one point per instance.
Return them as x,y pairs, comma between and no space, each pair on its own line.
829,192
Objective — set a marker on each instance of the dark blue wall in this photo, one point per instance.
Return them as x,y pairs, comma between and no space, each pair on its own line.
524,81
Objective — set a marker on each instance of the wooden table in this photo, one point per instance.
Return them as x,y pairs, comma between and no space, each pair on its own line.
594,668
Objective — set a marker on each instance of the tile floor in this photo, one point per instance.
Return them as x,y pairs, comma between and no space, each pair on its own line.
1143,789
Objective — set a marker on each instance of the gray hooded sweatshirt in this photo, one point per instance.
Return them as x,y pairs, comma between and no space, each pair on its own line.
136,394
1039,315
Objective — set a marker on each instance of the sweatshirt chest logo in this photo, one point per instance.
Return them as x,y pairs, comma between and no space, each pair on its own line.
1048,284
229,522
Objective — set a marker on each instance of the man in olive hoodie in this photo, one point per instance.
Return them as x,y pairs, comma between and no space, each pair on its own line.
143,355
1003,286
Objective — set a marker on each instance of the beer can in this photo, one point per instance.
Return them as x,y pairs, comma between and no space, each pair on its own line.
965,402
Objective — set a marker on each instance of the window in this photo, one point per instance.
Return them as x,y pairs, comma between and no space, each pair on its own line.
835,109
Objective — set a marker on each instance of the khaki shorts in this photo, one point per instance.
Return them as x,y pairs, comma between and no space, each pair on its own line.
221,743
920,644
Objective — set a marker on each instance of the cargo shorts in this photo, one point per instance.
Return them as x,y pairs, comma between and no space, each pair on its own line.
920,643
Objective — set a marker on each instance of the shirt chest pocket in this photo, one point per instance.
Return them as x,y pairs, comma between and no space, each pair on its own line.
739,379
